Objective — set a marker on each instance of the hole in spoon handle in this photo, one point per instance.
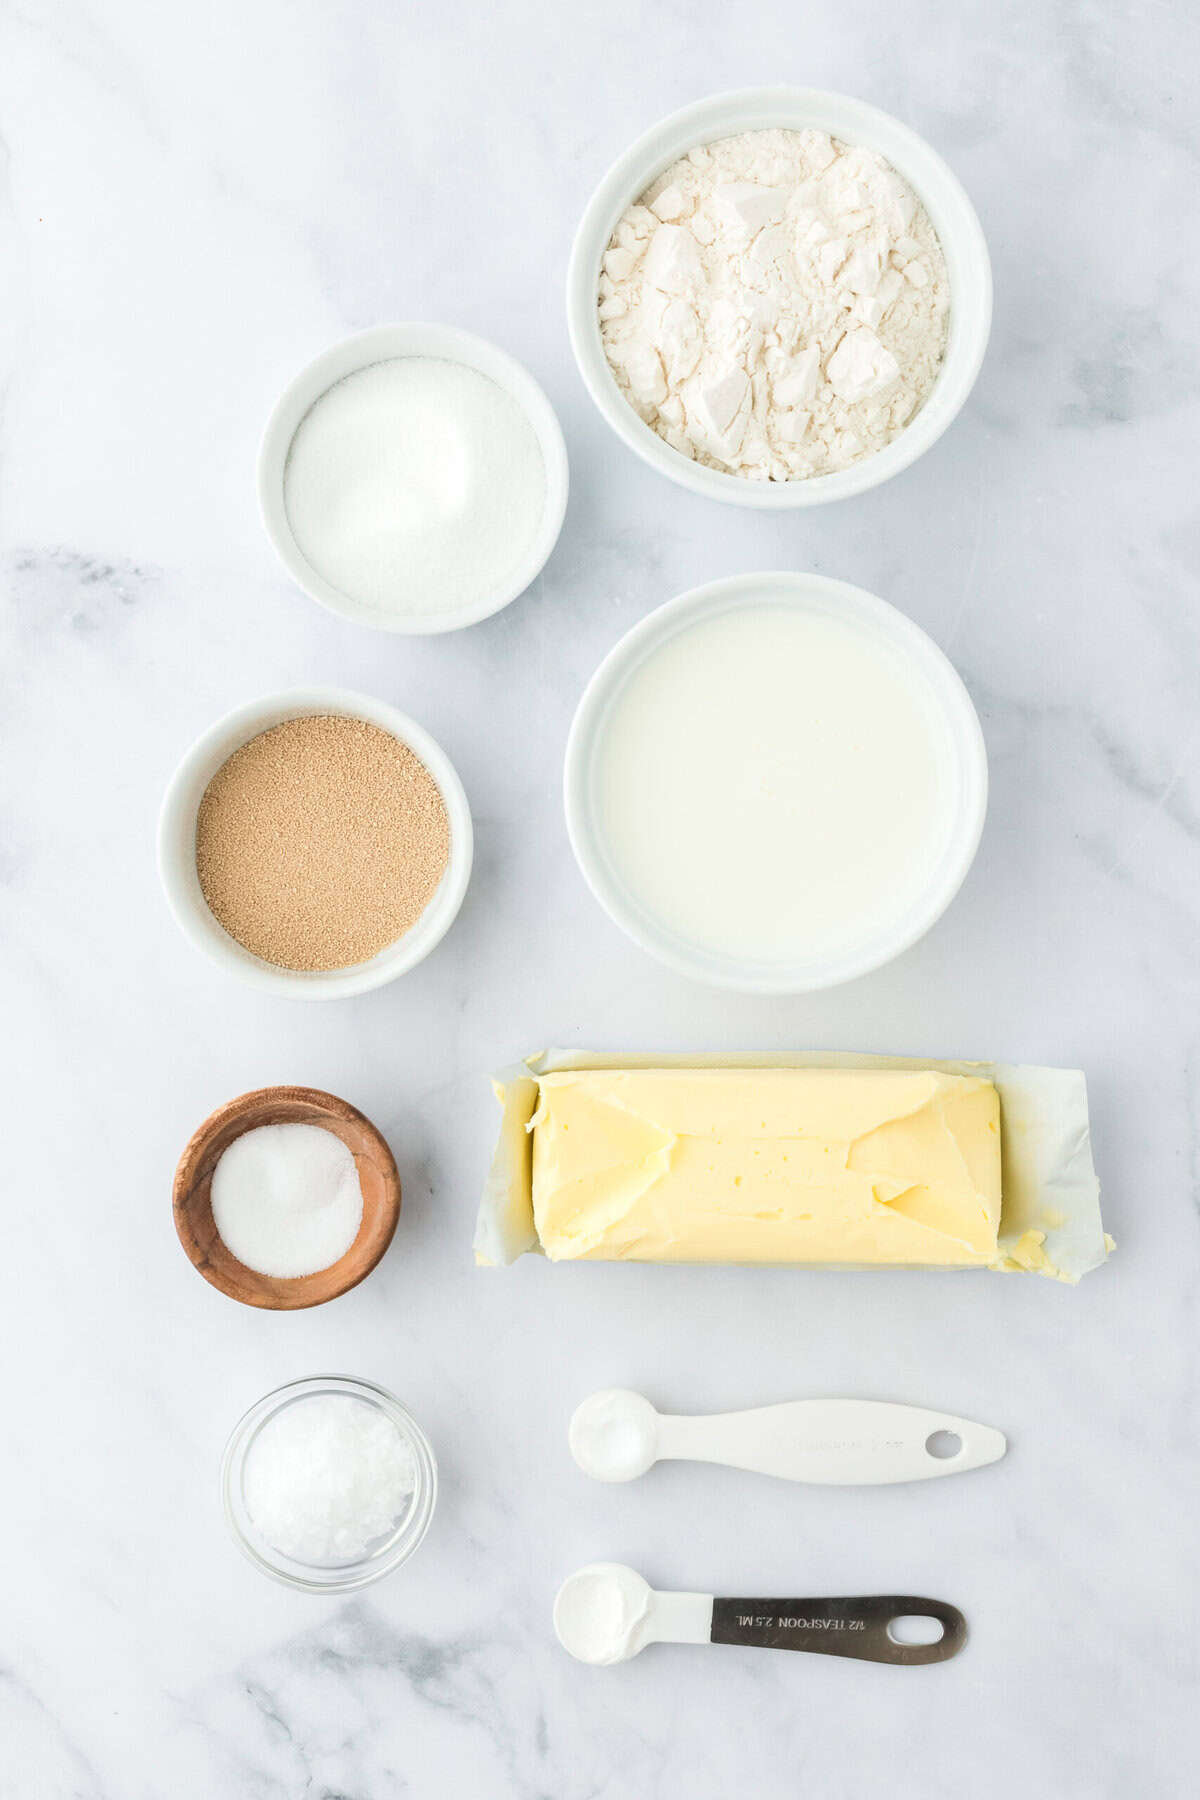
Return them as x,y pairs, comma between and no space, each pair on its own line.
853,1626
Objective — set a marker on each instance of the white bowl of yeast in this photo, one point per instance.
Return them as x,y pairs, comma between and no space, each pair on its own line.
941,193
177,845
776,782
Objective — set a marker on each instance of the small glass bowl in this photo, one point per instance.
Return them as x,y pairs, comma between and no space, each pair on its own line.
389,1552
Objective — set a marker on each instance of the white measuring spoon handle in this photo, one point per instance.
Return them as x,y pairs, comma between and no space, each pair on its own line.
831,1442
678,1619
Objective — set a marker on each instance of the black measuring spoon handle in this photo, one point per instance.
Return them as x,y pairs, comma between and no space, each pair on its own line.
843,1627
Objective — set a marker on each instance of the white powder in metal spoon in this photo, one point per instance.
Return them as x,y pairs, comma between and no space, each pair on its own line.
416,485
327,1477
286,1199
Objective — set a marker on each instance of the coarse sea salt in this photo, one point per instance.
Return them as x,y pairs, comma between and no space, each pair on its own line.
286,1199
415,486
327,1478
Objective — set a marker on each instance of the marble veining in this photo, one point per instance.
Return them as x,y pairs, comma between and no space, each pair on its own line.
193,203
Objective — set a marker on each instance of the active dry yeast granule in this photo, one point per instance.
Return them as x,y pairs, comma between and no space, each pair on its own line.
320,842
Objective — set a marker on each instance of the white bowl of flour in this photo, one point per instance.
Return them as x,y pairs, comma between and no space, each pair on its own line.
413,478
779,297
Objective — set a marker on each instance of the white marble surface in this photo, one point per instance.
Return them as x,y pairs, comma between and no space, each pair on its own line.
195,200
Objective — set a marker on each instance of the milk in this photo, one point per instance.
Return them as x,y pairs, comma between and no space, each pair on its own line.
775,782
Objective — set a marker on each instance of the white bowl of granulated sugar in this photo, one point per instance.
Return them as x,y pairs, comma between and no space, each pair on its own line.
413,478
779,297
316,843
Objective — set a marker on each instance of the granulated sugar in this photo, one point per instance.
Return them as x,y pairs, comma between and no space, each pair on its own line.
415,486
320,842
327,1477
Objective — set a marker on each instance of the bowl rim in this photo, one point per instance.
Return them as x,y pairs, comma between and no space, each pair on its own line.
710,599
177,831
744,109
384,343
248,1107
407,1538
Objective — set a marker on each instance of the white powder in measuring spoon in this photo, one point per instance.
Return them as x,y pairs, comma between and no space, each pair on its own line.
416,485
327,1477
286,1199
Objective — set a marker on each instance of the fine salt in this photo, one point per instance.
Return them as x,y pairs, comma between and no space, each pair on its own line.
328,1477
286,1199
415,485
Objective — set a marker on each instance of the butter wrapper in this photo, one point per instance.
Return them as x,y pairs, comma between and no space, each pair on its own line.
1050,1202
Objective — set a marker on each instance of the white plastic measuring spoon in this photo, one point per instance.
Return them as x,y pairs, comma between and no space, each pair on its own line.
617,1435
606,1612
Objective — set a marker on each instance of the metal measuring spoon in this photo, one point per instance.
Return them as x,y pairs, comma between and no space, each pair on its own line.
617,1435
606,1612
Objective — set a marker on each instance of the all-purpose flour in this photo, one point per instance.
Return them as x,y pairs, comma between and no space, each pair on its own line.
776,304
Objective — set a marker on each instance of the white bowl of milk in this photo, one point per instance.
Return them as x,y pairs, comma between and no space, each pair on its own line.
776,782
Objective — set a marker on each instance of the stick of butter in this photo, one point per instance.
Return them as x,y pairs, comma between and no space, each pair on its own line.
1049,1215
889,1167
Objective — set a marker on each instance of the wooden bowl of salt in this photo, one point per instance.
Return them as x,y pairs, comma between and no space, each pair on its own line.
377,1177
